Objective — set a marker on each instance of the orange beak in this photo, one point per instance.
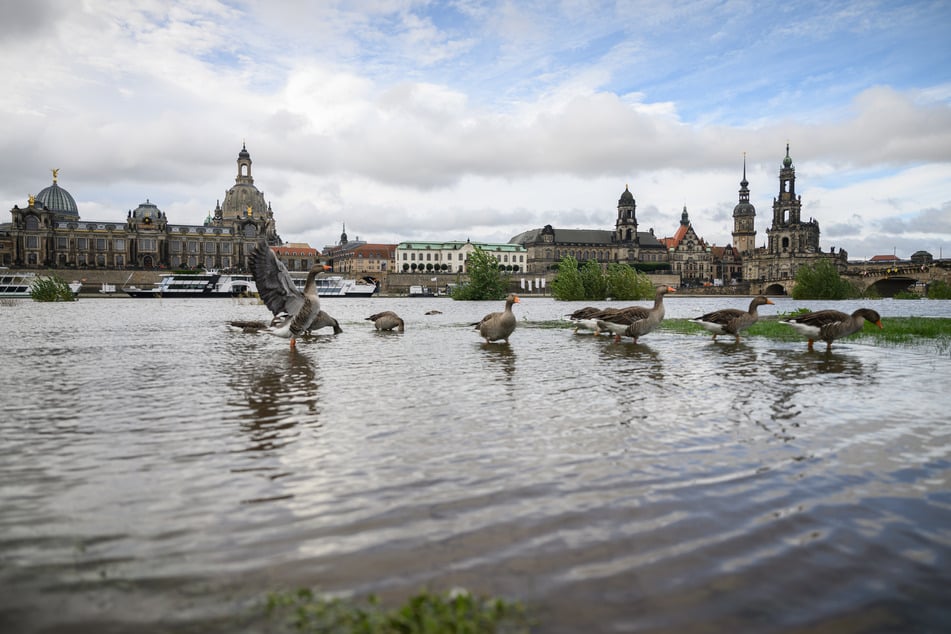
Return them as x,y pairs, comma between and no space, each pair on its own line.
768,301
879,323
671,289
517,300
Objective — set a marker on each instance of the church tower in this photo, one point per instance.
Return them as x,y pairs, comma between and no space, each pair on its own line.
788,234
744,217
625,229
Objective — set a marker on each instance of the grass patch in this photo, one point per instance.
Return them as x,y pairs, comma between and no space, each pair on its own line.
456,612
896,331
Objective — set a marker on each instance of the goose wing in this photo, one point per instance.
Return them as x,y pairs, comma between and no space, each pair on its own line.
275,284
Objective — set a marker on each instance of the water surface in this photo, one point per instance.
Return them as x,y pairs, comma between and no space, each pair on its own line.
161,473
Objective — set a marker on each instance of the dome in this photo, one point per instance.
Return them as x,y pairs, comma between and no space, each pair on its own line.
627,198
744,209
57,200
146,210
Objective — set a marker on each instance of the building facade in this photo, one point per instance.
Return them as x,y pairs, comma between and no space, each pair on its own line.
452,257
547,246
689,255
791,241
49,232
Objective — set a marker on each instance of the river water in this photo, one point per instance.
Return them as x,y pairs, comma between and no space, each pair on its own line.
160,473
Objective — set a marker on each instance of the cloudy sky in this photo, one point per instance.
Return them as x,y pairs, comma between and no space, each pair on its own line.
415,120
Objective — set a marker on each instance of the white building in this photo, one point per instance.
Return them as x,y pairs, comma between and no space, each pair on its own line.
451,257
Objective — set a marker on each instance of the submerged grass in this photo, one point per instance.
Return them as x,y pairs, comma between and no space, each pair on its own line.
457,612
896,331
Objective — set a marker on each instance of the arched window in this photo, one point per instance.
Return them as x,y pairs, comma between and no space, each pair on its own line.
32,223
250,231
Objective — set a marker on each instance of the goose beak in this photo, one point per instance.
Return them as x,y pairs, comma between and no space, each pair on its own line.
326,268
768,301
517,300
671,289
879,323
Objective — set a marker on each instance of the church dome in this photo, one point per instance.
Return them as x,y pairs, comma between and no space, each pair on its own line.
744,209
147,210
58,200
627,198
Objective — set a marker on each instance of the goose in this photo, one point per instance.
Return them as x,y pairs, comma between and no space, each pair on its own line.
730,321
254,326
495,326
295,312
829,325
387,320
636,321
587,318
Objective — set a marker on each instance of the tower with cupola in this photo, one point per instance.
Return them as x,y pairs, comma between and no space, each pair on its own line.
744,219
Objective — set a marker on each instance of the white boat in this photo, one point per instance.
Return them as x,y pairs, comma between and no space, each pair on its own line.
197,285
338,286
107,288
16,284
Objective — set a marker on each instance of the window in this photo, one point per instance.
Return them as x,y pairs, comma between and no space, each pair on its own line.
100,260
120,260
32,242
193,246
82,244
32,223
209,247
175,246
225,247
147,244
250,231
100,244
61,242
209,262
119,244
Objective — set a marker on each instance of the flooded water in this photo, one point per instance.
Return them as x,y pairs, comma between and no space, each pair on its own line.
160,473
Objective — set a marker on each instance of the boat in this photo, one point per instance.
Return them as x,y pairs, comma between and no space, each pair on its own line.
339,286
196,285
107,288
420,291
16,284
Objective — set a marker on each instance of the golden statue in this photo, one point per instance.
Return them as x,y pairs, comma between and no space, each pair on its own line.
55,171
32,200
249,210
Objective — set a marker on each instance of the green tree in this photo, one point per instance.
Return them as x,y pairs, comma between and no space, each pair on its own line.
625,283
51,289
822,281
568,285
939,290
485,279
593,280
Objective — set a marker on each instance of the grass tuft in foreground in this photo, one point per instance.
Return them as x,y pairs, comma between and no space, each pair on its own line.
456,612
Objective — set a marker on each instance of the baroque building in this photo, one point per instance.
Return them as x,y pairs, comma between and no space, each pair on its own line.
689,255
49,232
547,246
791,241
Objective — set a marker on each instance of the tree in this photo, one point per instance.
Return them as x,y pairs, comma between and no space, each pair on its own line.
593,280
485,279
568,285
822,281
51,289
624,283
405,266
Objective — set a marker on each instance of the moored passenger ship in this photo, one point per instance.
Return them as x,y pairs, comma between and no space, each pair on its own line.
197,285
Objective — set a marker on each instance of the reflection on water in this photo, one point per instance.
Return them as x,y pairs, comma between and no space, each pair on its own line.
166,482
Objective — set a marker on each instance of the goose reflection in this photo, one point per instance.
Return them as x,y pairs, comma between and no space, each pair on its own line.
501,359
646,359
282,393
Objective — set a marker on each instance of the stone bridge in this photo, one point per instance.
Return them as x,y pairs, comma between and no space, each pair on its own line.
884,280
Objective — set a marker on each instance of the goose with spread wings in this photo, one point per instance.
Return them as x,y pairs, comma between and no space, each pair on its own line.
295,312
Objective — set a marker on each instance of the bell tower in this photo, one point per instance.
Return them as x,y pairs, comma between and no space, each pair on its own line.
744,217
625,229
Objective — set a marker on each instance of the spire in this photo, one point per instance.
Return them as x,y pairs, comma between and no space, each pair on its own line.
744,183
787,162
